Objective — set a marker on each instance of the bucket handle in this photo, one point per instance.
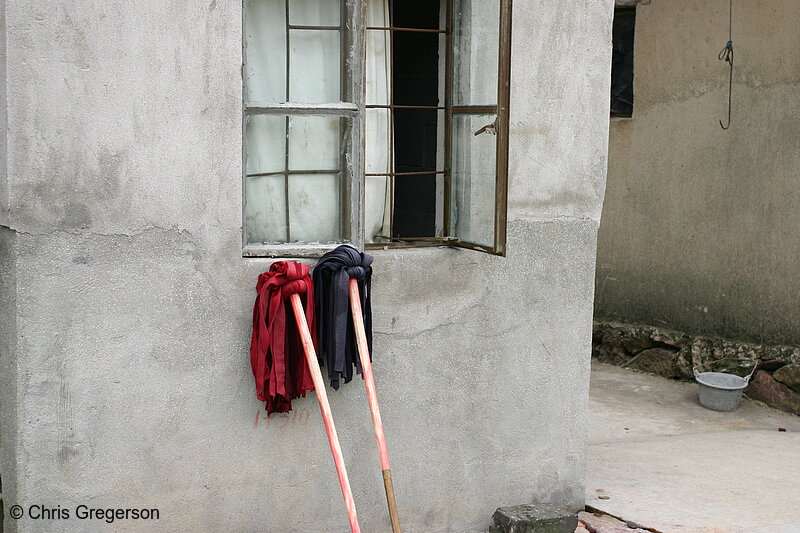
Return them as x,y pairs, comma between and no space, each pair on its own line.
746,378
750,375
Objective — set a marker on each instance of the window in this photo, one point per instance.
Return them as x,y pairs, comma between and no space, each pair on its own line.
622,62
375,122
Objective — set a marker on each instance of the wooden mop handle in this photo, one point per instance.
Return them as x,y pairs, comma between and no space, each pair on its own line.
372,397
324,406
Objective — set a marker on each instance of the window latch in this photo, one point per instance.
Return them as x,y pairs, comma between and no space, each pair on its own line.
489,128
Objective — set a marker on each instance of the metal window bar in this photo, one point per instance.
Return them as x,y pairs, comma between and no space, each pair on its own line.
282,172
402,106
310,27
397,28
416,173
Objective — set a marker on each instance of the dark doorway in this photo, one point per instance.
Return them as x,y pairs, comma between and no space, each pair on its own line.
415,79
622,62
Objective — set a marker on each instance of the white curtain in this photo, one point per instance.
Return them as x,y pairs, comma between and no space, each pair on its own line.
379,141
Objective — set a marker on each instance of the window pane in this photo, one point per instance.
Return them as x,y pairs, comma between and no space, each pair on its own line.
314,66
314,142
314,211
315,12
475,52
314,177
265,32
265,209
314,69
473,179
266,144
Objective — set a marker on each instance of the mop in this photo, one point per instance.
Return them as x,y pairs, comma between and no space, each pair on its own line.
280,373
342,279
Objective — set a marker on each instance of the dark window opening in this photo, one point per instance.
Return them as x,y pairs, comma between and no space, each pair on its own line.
415,82
622,62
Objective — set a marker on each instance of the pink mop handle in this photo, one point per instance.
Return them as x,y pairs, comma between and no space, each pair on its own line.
325,408
372,397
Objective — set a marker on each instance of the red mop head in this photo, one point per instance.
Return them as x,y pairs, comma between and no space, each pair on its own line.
276,352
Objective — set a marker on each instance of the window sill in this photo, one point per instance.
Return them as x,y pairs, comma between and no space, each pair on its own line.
273,251
411,243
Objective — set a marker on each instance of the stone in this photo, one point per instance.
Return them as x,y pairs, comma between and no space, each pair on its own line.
683,364
638,343
659,361
533,518
702,351
789,375
610,349
616,343
767,389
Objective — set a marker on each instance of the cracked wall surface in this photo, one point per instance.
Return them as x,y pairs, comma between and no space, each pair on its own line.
698,230
128,307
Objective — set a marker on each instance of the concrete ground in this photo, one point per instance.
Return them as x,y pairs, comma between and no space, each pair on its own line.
660,460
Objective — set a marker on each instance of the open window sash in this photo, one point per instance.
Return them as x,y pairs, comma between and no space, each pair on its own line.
477,111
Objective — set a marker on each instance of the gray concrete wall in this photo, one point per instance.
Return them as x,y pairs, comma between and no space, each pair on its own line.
699,228
128,382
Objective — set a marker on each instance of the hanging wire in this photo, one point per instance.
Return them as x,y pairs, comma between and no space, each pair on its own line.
727,55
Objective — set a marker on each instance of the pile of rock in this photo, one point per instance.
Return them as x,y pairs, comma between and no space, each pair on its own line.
674,355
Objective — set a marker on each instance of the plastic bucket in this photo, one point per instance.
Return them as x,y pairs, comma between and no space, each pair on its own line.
720,391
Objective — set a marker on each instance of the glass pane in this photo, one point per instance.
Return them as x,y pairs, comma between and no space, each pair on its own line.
314,66
314,208
266,144
314,142
315,12
476,42
473,180
314,69
265,34
265,209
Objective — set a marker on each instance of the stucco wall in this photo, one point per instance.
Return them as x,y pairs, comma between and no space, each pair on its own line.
699,228
129,380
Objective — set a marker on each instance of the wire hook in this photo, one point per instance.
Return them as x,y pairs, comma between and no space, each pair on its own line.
727,55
